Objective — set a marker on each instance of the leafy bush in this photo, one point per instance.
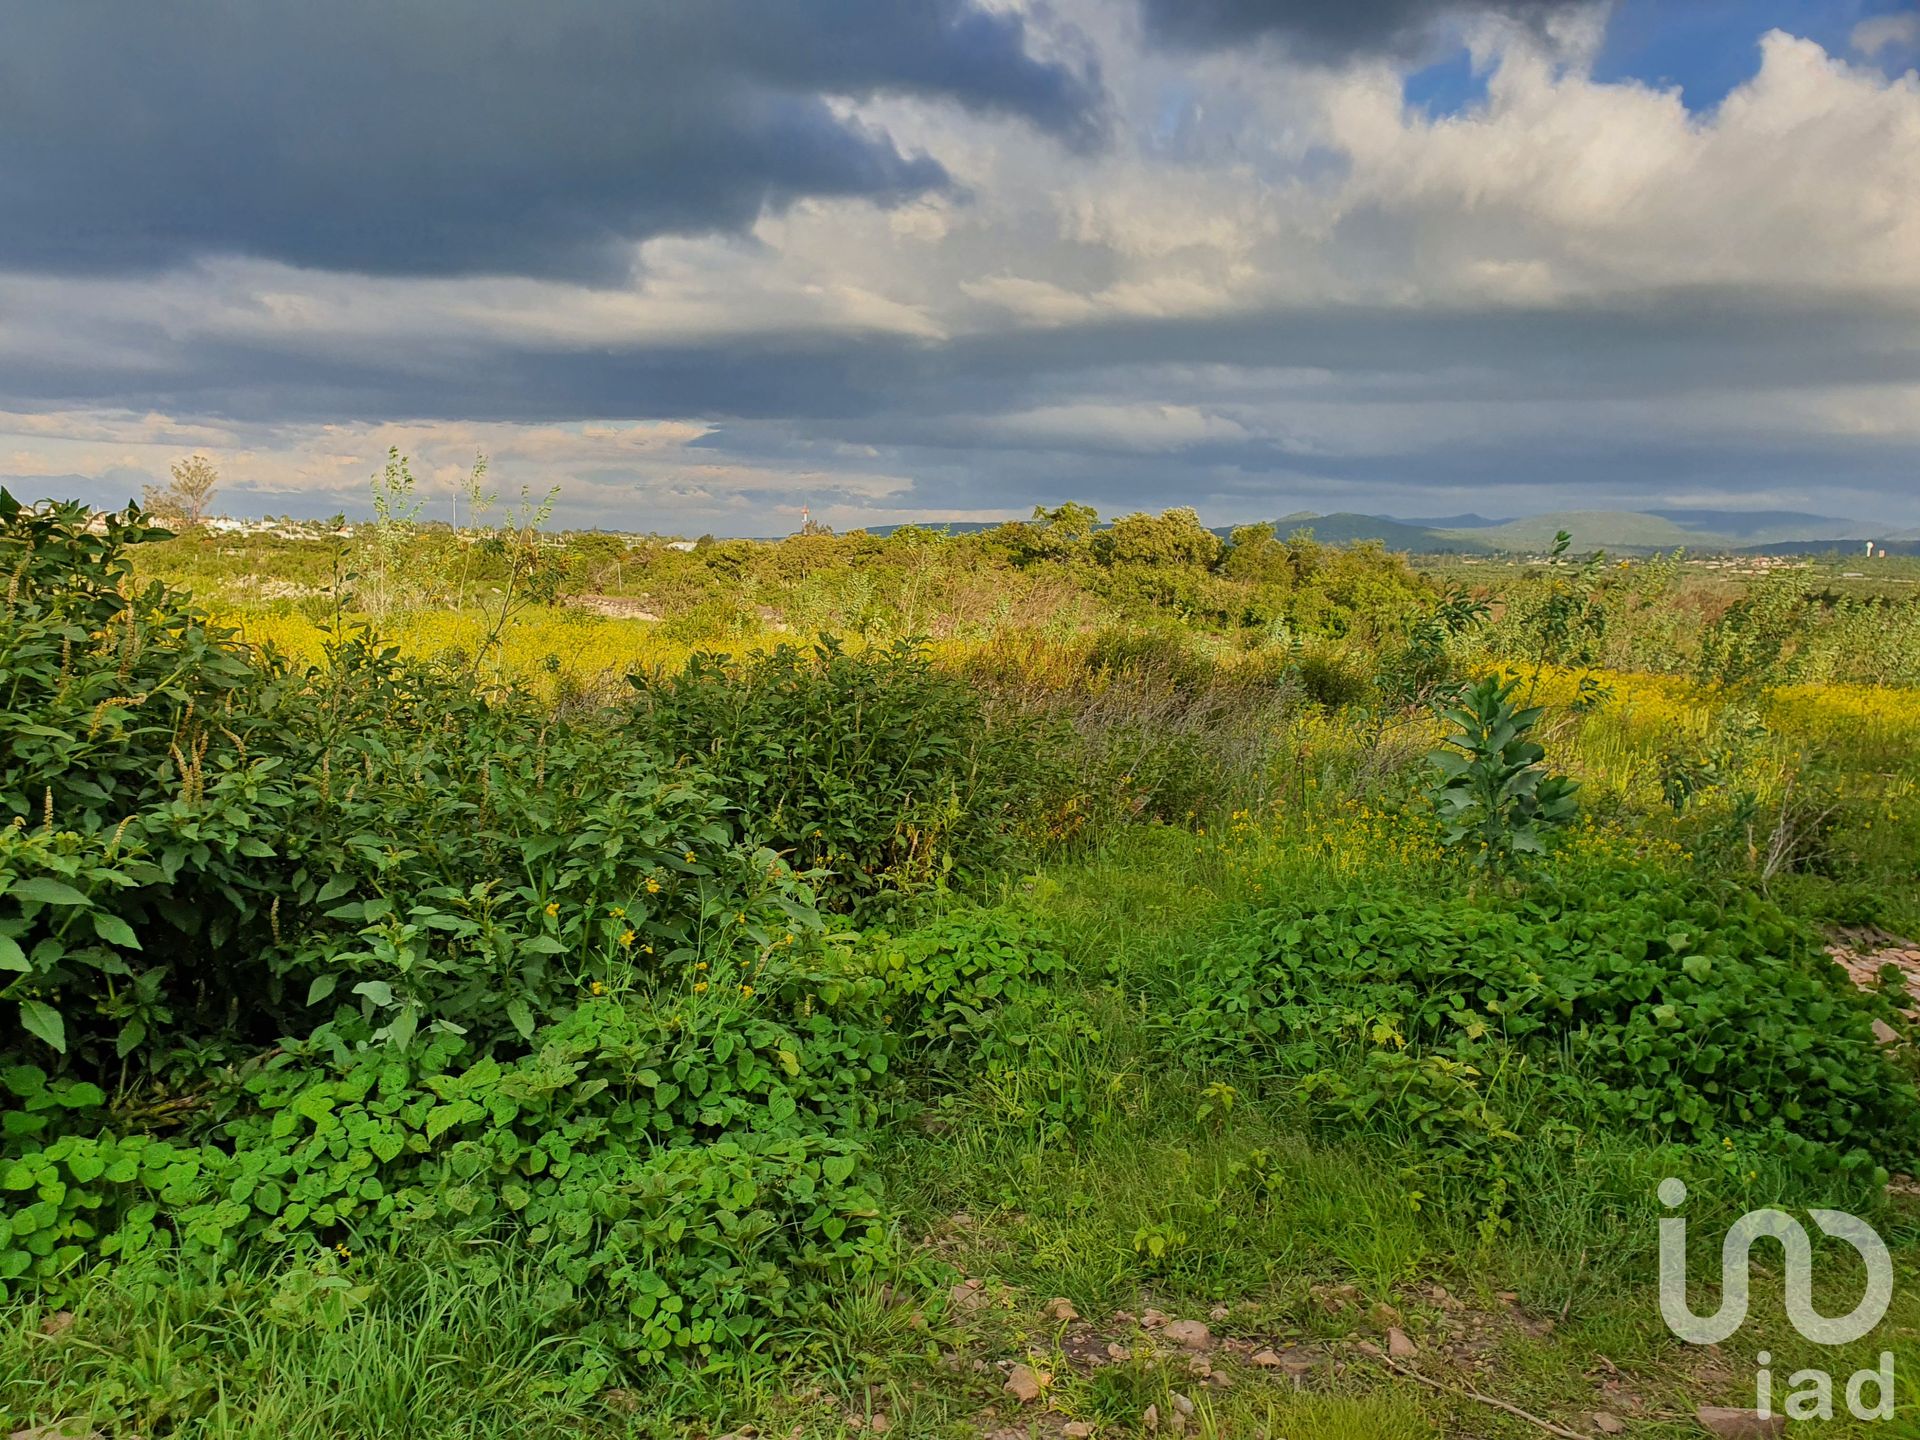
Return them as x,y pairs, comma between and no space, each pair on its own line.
143,788
1494,798
871,772
947,978
1652,1004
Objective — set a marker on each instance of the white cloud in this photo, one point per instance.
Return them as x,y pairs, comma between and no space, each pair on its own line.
1880,33
1095,426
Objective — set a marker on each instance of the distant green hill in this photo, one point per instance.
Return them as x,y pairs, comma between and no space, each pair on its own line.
1591,530
1633,531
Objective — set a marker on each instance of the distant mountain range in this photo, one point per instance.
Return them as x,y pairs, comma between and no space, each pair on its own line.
1717,532
1627,531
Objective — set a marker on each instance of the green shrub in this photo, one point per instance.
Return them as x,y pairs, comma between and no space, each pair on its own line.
1333,677
946,979
1652,1004
1495,800
871,772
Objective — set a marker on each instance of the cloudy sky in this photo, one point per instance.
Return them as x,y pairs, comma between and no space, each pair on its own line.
702,262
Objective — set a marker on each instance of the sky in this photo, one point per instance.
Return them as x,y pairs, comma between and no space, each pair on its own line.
702,265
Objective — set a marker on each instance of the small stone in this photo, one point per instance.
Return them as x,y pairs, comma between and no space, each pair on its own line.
57,1323
1024,1384
969,1295
1200,1366
1731,1424
1076,1430
59,1430
1366,1347
880,1424
1218,1312
1191,1333
1267,1358
1608,1424
1151,1419
1181,1404
1152,1318
1117,1352
1885,1033
1399,1346
1385,1315
1511,1297
1061,1308
1125,1317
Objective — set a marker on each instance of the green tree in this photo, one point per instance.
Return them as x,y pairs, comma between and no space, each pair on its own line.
185,499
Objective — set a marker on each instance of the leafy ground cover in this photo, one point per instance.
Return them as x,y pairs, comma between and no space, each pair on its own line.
1154,1028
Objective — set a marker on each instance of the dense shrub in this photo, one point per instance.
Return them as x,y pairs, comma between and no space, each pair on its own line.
306,963
872,772
1650,1003
948,977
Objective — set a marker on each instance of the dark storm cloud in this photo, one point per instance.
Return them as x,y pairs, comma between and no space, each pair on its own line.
1333,30
497,137
1663,343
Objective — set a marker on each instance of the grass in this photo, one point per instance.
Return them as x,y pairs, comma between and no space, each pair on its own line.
1163,1190
1096,1159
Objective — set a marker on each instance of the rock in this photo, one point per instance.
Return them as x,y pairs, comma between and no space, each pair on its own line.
969,1295
1117,1352
1152,1318
1218,1312
1191,1333
1076,1430
1399,1346
57,1323
1885,1033
59,1430
1024,1384
1267,1358
1150,1421
1608,1424
1061,1308
880,1424
1181,1405
1199,1366
1366,1347
1732,1424
1385,1315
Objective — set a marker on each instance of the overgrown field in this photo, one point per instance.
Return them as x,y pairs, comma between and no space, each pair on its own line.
1124,983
